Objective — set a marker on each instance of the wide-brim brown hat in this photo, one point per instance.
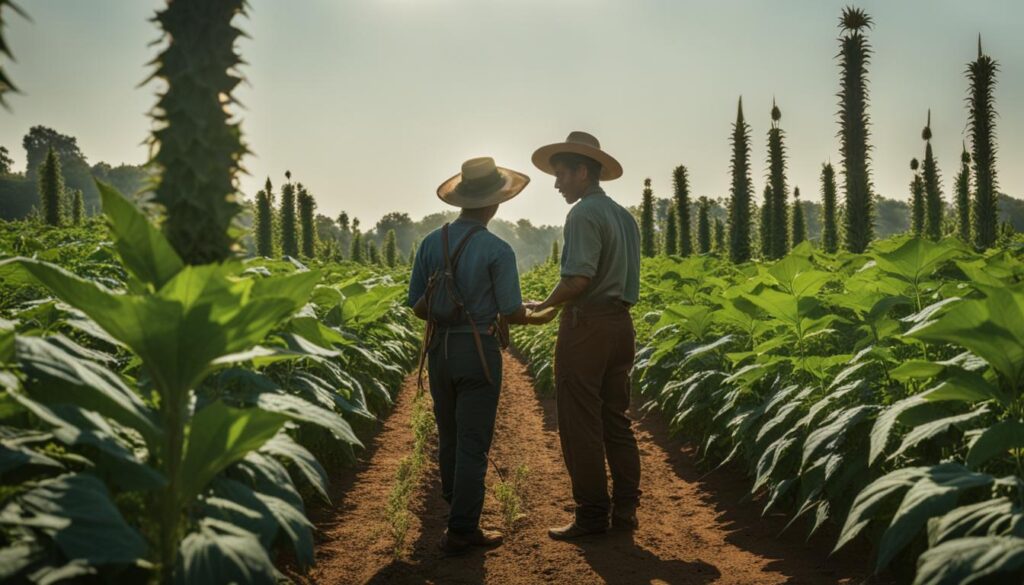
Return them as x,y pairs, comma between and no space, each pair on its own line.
583,144
482,184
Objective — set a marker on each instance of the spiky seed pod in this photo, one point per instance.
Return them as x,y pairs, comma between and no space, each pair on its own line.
981,74
391,249
264,225
719,237
307,219
932,186
51,189
288,221
356,252
854,56
671,235
78,207
778,227
556,254
197,144
799,226
829,225
648,246
765,223
963,197
917,211
704,226
681,185
741,192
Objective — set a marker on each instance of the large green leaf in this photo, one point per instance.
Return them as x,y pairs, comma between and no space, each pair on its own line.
77,513
874,498
964,561
56,377
997,517
220,552
221,435
932,429
145,251
992,328
996,440
917,258
933,495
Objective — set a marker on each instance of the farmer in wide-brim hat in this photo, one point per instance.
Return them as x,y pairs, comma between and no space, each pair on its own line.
464,284
600,281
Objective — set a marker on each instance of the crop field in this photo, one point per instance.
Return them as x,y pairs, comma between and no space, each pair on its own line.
203,386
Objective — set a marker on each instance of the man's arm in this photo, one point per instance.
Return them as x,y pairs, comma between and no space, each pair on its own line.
567,289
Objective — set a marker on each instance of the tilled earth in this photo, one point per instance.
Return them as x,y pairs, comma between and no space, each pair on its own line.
695,527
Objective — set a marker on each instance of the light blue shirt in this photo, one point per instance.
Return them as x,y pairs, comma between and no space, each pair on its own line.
487,277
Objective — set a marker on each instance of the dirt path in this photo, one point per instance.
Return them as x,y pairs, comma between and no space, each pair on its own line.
693,529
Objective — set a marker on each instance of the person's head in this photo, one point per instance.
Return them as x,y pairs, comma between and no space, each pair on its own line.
481,214
574,174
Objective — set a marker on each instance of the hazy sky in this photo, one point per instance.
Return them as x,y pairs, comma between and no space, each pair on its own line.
372,103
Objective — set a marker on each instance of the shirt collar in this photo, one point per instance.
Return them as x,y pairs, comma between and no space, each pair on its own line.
468,220
593,190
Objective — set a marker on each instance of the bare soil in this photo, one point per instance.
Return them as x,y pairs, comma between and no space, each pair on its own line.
695,527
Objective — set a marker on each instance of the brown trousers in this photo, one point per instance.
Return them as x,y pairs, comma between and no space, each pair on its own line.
593,358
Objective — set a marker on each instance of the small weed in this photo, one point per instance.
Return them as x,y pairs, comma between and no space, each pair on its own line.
509,493
408,474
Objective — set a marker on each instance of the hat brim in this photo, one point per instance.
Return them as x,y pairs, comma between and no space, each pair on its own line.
514,183
610,168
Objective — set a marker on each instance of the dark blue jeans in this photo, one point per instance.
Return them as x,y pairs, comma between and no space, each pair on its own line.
465,406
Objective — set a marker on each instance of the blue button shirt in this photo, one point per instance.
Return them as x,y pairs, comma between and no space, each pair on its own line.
487,277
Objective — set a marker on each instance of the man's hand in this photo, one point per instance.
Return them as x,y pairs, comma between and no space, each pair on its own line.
540,317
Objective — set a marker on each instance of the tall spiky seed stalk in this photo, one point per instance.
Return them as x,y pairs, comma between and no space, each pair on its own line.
391,249
703,226
6,85
307,219
981,74
51,189
648,246
78,207
741,192
917,211
778,235
853,57
799,225
356,250
556,254
681,185
963,197
288,221
671,237
197,145
829,225
372,253
265,221
719,246
932,186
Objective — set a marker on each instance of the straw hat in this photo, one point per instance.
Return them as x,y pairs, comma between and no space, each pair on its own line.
481,184
578,143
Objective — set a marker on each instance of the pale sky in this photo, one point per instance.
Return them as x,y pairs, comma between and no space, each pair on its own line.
373,103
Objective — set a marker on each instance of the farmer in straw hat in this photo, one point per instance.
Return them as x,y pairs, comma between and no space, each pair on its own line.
466,286
600,280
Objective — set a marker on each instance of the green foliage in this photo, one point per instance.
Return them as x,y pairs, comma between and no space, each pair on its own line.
648,243
307,214
799,227
853,57
778,224
932,186
671,235
981,73
51,190
741,191
917,204
963,197
391,250
196,144
288,221
372,253
703,226
829,230
681,188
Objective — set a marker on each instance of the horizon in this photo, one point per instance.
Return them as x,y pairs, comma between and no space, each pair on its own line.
334,108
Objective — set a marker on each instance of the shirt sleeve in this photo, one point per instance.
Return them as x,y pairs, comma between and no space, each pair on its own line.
418,280
582,248
505,278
